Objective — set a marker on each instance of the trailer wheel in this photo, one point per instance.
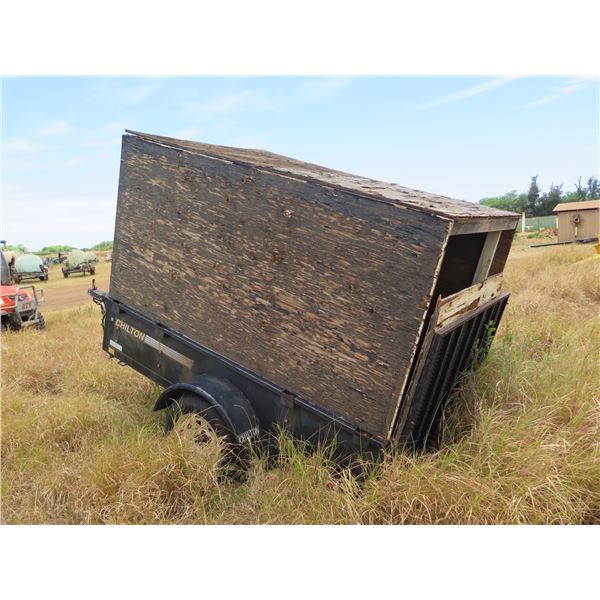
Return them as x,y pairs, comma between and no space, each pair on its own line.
65,274
191,403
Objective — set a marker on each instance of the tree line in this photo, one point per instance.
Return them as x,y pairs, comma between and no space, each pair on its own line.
106,245
534,203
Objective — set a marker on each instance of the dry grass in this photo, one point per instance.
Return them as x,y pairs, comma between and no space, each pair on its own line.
81,445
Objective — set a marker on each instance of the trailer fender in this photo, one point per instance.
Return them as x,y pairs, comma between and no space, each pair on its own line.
231,404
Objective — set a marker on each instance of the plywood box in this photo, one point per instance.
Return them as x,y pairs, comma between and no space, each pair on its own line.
318,281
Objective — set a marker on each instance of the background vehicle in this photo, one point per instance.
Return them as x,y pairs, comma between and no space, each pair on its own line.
29,266
19,305
294,295
78,261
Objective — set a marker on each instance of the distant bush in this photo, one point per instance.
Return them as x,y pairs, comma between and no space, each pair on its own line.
107,245
16,248
55,249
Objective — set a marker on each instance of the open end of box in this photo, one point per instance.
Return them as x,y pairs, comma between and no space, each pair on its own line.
471,258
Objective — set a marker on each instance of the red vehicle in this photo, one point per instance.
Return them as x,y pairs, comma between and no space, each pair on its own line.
19,305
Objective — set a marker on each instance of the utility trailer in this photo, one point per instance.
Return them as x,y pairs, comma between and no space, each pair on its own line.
29,266
263,291
78,261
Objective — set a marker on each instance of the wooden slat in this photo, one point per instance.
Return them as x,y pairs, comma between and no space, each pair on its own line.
502,252
487,256
453,307
316,289
480,225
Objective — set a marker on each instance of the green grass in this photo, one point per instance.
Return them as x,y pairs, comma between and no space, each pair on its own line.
80,443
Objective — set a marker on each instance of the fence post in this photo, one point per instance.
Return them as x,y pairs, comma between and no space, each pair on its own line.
522,222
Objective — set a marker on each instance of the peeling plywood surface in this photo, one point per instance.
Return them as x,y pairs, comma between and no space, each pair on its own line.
457,305
453,208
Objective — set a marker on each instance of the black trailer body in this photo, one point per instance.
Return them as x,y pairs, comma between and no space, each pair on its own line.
179,364
334,303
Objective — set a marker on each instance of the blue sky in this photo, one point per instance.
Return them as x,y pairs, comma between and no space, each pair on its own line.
466,137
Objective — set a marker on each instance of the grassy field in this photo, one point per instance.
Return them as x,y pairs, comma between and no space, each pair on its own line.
81,445
72,291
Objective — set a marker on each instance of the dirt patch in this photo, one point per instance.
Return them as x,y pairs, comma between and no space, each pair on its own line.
61,292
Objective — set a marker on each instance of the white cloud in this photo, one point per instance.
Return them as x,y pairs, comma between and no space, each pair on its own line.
189,134
76,160
55,128
14,166
113,127
316,89
310,90
98,143
38,217
139,93
230,101
469,92
20,145
569,87
125,91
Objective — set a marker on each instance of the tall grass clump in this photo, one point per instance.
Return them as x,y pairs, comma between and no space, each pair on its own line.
521,436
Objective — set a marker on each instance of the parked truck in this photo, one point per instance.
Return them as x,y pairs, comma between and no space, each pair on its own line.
295,295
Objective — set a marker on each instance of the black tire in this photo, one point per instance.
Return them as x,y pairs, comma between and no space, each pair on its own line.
234,461
92,271
41,324
65,274
13,323
192,403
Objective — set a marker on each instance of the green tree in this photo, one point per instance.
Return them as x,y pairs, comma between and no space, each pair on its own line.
55,249
107,245
512,201
580,190
533,196
16,248
549,200
593,189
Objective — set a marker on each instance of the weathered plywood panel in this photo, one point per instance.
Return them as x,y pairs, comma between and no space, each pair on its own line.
320,291
468,216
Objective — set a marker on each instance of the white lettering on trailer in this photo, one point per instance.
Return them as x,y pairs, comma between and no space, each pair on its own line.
144,337
248,434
